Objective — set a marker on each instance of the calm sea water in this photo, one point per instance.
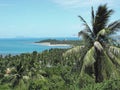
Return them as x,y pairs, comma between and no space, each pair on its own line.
25,45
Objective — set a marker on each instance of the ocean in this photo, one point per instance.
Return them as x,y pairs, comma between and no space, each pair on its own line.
26,45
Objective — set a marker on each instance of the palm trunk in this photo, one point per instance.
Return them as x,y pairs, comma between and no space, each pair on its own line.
98,67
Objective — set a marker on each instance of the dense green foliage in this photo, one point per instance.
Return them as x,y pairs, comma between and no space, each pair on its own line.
32,71
106,85
40,71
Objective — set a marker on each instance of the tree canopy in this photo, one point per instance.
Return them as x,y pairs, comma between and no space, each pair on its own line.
99,53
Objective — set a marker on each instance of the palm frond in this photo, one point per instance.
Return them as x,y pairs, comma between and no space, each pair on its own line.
108,68
110,41
86,36
93,16
101,18
114,50
72,55
101,33
87,28
74,50
89,58
114,59
114,27
86,59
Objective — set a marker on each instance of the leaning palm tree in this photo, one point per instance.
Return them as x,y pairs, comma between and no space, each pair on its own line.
100,52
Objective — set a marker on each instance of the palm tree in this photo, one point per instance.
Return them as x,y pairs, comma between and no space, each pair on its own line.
99,56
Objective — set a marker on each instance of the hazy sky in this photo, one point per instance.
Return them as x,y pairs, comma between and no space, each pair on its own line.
47,18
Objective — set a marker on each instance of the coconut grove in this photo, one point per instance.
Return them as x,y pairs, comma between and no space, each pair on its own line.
94,64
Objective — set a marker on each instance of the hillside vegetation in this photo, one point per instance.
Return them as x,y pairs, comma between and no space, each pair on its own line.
48,70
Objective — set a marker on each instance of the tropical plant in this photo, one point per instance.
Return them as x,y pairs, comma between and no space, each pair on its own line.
106,85
99,57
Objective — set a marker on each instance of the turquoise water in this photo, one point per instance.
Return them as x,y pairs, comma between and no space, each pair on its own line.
25,45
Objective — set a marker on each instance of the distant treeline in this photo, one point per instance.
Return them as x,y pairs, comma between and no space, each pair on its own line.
54,41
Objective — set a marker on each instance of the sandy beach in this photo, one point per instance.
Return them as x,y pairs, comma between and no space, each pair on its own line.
48,44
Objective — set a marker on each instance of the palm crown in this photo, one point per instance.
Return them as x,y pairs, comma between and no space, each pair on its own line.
98,53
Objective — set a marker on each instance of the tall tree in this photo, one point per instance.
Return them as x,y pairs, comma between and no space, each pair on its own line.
100,52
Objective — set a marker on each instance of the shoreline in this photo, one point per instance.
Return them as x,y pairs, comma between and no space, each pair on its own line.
48,44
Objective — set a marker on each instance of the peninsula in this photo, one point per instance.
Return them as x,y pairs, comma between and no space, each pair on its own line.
54,42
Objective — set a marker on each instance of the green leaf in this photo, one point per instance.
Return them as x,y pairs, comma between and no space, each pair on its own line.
88,59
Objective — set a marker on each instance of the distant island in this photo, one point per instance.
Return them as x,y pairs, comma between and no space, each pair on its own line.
54,42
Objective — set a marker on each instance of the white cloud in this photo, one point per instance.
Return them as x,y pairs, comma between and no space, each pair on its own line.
66,2
85,3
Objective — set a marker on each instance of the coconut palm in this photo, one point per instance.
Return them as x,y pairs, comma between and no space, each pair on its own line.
99,56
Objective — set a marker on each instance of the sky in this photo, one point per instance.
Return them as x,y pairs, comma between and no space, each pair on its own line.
48,18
